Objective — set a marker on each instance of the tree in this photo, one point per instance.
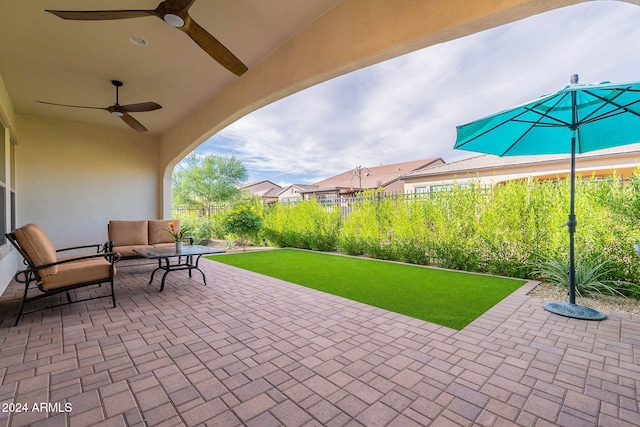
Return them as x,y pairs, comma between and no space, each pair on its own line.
204,180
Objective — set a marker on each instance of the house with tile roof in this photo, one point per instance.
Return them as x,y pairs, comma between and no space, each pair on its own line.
489,169
363,178
292,193
265,189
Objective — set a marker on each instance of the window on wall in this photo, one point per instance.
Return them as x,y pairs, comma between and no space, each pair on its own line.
4,138
13,210
7,186
420,192
3,209
12,183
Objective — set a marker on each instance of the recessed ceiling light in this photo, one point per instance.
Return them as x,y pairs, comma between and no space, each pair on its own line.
138,41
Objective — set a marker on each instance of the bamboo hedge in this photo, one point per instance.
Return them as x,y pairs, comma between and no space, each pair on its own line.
506,229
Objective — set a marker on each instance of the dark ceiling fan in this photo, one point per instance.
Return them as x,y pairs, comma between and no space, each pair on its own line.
121,111
174,13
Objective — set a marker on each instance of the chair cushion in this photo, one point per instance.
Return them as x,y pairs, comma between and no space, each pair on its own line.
157,228
127,250
74,273
35,243
164,245
128,233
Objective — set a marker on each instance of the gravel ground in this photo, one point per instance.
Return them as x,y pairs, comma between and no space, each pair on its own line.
603,303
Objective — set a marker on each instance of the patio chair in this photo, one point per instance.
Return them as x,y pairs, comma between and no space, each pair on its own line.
53,275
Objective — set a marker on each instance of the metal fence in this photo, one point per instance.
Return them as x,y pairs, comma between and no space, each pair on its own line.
194,211
348,204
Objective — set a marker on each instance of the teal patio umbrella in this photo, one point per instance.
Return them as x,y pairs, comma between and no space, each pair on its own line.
576,119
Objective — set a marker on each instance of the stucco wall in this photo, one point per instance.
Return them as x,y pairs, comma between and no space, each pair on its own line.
73,178
291,192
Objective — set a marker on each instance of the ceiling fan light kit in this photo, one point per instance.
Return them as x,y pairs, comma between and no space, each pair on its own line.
173,20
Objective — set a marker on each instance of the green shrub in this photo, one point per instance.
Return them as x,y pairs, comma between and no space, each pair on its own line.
201,229
244,221
305,225
500,229
217,225
365,229
593,276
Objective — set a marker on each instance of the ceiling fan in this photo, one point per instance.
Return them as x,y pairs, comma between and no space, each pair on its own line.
174,13
121,111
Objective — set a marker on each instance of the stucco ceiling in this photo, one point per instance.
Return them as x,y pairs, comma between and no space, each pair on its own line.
43,57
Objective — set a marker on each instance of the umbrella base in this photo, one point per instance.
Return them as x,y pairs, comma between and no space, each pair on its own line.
574,311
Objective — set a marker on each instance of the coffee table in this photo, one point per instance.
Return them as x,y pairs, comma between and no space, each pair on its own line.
185,258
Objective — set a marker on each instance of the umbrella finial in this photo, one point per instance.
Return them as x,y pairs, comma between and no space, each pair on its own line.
574,79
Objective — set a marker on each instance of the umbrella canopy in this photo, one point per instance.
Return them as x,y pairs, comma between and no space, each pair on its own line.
576,119
605,115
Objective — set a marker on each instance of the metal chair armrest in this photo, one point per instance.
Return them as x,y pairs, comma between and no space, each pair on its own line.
112,257
98,247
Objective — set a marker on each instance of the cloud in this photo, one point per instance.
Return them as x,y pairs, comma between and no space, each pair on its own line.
408,108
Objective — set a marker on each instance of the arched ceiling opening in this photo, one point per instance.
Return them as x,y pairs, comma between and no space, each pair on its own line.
351,35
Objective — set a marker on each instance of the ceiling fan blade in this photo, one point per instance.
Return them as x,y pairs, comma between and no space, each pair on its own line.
100,15
133,123
72,106
121,111
174,6
213,47
141,107
164,8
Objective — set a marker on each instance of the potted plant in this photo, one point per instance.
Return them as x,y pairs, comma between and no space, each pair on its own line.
178,234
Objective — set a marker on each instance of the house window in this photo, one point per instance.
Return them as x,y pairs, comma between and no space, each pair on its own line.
420,192
13,210
12,183
436,188
3,210
4,140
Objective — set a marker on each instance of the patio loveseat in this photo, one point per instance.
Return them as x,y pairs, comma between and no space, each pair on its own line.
139,234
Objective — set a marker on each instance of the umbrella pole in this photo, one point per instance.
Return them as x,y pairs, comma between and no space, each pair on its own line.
571,309
571,225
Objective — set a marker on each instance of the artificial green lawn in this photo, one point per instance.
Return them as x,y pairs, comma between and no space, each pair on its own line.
447,298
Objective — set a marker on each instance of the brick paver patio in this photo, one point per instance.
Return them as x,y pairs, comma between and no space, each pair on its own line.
251,350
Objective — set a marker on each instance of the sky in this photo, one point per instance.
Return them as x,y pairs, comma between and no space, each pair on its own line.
408,108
